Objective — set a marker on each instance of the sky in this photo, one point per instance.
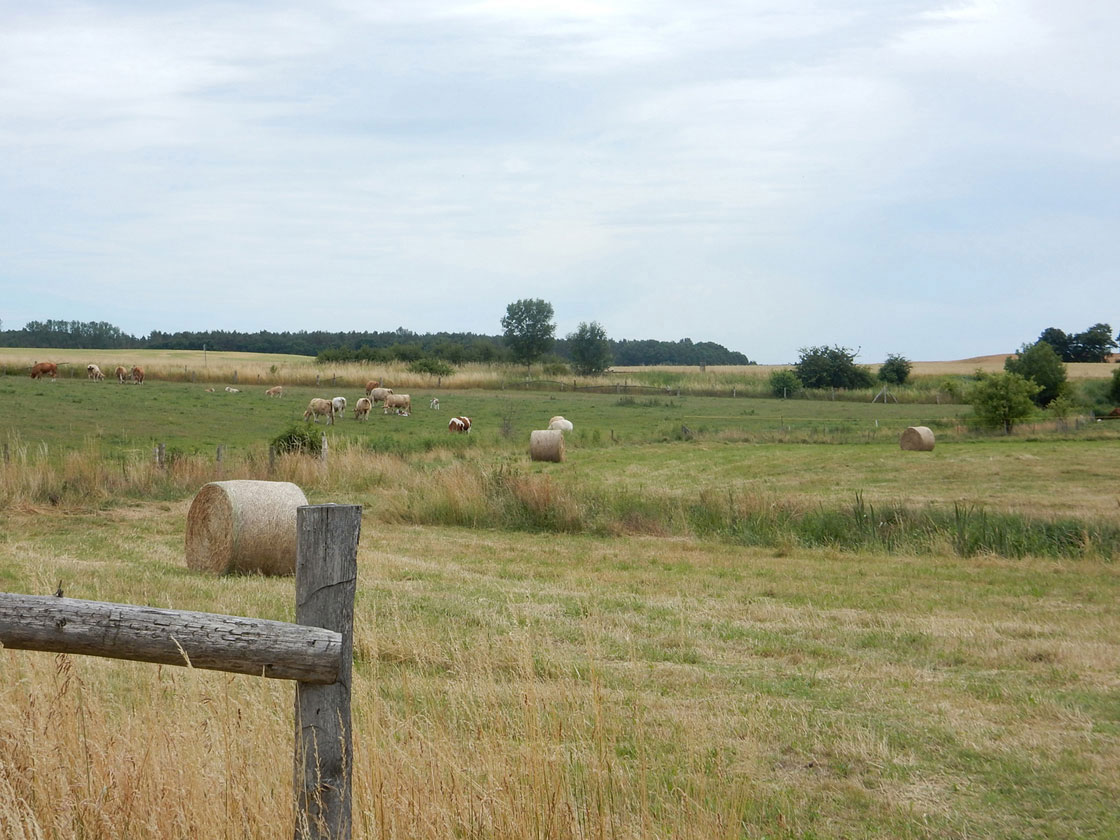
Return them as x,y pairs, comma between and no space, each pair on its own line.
935,179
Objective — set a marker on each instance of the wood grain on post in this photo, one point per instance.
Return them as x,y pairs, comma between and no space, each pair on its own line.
326,581
171,637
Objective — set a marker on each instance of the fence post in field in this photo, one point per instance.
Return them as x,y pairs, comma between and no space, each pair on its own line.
161,451
326,581
271,460
323,450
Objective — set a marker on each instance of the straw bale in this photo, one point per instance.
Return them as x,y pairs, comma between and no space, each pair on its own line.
546,445
244,527
917,439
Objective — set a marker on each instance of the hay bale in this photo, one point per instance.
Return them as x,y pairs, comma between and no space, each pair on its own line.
917,439
245,527
546,445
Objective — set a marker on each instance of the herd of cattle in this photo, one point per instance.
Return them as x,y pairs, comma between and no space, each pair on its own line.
400,404
40,370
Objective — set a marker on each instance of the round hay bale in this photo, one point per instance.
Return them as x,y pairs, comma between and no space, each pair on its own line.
546,445
244,527
917,439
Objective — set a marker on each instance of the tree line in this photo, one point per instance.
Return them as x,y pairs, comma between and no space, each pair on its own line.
402,345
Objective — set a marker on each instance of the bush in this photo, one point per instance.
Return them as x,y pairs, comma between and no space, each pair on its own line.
1114,387
831,367
298,438
784,383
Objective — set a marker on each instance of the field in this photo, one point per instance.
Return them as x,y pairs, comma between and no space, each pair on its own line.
718,617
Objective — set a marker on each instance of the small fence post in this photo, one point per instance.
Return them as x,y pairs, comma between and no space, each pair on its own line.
161,451
326,582
235,377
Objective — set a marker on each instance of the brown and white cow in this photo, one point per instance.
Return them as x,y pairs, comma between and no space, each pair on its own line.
138,375
362,407
275,391
94,372
122,374
373,383
459,424
401,403
41,369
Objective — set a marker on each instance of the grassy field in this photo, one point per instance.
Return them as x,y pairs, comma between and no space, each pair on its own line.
716,618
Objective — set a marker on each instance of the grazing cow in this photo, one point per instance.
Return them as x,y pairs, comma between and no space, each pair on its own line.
379,394
320,408
373,383
122,374
275,391
138,374
338,404
434,404
94,372
459,424
41,369
361,408
560,424
233,390
401,403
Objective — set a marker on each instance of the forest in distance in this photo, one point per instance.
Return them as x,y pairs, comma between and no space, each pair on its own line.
399,344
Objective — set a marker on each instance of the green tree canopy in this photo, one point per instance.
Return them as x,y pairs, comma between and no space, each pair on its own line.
784,383
1003,399
1114,386
895,370
831,367
1040,363
1093,345
589,348
529,331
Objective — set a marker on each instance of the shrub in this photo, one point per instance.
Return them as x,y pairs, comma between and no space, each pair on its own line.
895,370
784,383
1041,364
831,367
297,438
1002,400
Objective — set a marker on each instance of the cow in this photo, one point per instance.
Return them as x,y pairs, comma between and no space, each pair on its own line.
434,404
373,383
138,374
94,373
459,424
320,408
121,373
41,369
338,404
401,403
378,394
275,391
362,407
233,390
558,423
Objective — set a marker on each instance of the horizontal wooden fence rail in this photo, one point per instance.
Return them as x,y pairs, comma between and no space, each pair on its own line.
170,637
317,653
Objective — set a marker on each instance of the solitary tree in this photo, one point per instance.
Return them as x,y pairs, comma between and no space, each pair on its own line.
529,331
895,370
831,367
1003,399
1039,363
590,349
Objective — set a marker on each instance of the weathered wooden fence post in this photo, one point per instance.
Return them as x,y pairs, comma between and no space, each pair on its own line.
326,581
161,454
324,449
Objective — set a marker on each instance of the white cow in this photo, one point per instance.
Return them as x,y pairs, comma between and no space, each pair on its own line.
320,408
558,423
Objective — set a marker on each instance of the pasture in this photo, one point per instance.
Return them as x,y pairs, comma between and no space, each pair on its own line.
665,635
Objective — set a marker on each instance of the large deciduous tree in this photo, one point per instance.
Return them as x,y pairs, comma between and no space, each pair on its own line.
1039,362
1003,399
529,331
589,348
895,370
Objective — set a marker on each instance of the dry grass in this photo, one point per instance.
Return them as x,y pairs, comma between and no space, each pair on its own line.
512,686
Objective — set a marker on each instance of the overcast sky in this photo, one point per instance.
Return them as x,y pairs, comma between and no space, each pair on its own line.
936,179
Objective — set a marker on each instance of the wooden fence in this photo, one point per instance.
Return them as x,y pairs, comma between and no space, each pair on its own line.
316,652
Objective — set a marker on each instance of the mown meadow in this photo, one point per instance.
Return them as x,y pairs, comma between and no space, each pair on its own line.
718,617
